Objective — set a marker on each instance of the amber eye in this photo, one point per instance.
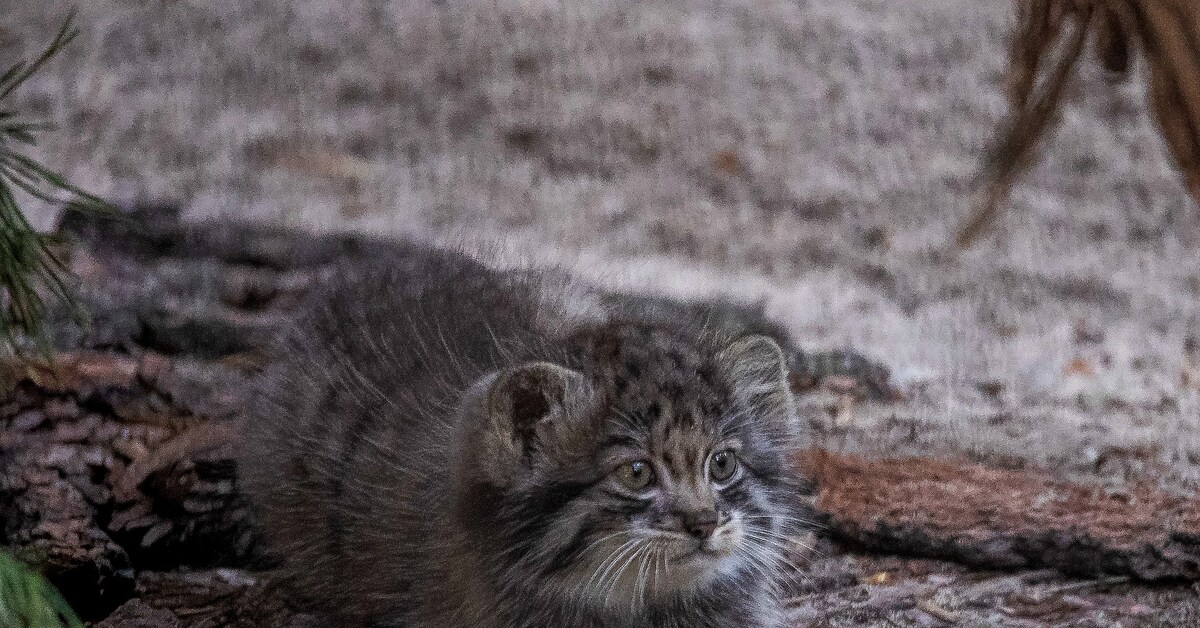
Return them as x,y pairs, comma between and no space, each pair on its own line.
635,475
722,465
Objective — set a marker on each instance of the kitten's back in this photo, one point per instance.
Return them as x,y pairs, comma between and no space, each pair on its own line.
368,370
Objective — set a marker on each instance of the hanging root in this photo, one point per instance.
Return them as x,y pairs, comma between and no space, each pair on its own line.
1043,57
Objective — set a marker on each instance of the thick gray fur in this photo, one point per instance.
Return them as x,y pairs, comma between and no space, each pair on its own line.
400,477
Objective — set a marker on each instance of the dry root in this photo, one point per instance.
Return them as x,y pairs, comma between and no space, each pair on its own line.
1046,49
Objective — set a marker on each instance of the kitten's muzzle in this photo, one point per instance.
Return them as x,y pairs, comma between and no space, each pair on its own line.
700,525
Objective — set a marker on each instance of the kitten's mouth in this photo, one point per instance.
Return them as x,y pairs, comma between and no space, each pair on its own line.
708,549
698,556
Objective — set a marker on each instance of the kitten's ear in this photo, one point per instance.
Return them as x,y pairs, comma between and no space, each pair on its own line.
758,370
526,401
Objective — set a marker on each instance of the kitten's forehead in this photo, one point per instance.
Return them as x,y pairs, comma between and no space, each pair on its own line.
683,448
662,388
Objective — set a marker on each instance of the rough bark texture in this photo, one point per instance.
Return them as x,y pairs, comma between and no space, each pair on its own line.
116,475
1000,519
109,462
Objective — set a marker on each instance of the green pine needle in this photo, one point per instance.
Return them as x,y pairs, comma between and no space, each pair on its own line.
32,277
31,274
28,601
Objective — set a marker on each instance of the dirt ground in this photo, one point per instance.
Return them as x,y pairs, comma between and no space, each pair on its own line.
813,156
117,476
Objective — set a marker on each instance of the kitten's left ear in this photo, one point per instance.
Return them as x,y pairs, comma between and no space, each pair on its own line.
528,404
758,370
512,419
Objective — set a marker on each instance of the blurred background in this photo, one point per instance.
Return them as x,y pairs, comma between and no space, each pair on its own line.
813,156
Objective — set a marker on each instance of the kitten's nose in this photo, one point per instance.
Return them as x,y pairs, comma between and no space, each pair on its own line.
700,524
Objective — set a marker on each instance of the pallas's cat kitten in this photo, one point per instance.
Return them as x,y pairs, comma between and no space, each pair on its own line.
441,445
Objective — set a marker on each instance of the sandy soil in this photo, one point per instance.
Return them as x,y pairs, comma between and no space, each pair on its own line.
811,154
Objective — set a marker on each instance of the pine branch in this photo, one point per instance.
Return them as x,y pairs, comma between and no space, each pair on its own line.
32,277
28,601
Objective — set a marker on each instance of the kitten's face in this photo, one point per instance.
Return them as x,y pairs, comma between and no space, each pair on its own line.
687,493
665,477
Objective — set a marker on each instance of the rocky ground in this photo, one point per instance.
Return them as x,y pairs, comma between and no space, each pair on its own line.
117,479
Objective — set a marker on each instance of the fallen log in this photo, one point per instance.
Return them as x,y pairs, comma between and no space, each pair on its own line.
1002,519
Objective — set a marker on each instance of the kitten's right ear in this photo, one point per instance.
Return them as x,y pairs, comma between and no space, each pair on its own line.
527,403
758,368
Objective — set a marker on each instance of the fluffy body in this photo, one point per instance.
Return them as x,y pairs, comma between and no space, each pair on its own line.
436,445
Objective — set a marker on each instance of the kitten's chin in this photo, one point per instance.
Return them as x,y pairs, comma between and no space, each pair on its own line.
692,571
690,567
623,580
670,575
697,569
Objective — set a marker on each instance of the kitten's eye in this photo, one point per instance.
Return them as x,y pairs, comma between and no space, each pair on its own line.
722,465
635,475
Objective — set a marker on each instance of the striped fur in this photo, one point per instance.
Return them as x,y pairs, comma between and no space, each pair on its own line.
436,447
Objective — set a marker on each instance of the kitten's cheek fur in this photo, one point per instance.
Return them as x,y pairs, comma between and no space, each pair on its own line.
726,539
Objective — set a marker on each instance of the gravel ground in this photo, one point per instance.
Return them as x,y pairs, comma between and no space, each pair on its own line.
814,155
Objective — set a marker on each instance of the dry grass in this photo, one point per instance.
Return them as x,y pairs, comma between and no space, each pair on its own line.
1044,54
